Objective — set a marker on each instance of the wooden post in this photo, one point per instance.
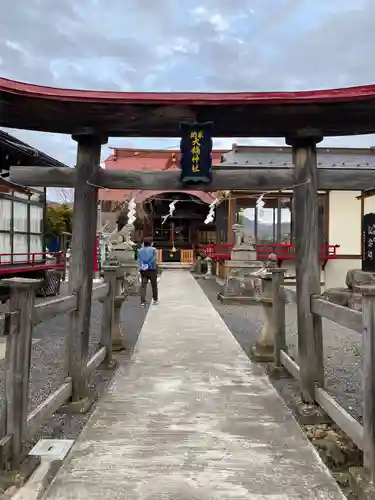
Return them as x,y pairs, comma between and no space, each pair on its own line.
110,273
256,225
368,383
17,362
278,300
231,218
278,226
82,261
310,344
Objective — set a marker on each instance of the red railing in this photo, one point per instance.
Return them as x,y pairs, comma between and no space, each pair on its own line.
217,251
283,251
31,261
286,251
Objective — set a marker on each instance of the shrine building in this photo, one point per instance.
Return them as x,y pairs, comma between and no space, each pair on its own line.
184,230
340,212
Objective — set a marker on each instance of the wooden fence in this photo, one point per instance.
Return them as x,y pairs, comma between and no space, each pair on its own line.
159,253
187,256
363,436
17,425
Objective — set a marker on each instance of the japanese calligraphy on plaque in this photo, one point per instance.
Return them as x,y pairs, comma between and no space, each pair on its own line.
368,257
196,152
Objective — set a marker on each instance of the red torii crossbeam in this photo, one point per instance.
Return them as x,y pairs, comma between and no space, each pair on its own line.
150,114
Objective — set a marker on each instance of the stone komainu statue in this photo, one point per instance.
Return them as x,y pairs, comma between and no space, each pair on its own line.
122,237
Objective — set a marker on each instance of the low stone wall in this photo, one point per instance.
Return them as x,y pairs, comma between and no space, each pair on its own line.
349,296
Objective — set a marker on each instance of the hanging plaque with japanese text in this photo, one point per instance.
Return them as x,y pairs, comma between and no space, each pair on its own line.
196,152
368,257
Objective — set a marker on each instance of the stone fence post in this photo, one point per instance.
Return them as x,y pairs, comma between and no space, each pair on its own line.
278,317
111,335
263,350
108,301
118,341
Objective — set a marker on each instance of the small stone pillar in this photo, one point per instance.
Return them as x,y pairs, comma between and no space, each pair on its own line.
263,350
114,277
118,341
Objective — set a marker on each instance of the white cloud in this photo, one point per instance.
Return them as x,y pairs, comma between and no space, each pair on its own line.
217,20
178,45
138,45
14,45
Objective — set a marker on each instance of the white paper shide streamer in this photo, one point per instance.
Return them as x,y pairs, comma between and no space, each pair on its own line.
211,214
131,211
172,207
260,205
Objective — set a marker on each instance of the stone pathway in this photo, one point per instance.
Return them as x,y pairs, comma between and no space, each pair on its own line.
191,418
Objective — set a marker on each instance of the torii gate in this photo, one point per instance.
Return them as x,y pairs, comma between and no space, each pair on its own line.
302,118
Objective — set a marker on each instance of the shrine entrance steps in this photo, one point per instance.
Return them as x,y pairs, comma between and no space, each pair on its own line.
191,418
175,266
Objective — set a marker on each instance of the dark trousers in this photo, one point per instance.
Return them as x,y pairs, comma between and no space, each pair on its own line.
152,275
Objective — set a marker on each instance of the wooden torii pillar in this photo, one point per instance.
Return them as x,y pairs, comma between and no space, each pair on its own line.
305,206
81,271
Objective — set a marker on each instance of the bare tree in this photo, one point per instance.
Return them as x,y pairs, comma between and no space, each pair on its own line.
121,207
65,195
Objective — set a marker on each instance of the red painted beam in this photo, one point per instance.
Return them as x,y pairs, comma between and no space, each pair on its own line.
346,111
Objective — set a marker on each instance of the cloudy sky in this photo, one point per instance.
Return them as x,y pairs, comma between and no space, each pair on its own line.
186,45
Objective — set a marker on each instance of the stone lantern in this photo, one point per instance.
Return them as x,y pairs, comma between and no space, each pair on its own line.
122,252
239,283
208,274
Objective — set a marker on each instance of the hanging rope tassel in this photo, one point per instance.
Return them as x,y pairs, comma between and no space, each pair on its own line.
172,237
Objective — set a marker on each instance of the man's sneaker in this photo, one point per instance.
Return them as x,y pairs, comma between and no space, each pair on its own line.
155,302
143,304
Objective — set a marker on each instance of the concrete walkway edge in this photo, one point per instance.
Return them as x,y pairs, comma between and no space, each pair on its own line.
191,418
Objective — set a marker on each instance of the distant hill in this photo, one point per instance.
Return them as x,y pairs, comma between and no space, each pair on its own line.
265,230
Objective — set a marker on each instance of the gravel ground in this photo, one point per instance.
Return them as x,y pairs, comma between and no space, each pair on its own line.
342,357
342,349
47,364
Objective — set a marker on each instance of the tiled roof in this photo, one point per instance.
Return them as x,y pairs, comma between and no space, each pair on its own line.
273,156
34,156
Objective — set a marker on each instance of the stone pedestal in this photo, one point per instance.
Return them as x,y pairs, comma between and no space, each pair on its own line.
240,286
350,296
131,277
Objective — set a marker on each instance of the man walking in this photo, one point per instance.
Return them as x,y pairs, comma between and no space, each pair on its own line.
147,267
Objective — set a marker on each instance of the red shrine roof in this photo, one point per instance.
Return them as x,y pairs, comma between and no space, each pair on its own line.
149,114
148,159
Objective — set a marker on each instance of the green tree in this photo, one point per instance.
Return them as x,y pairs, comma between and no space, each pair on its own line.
59,219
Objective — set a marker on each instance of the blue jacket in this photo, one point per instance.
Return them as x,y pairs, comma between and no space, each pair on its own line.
147,258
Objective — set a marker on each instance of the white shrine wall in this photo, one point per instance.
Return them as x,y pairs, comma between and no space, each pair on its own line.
369,205
345,228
